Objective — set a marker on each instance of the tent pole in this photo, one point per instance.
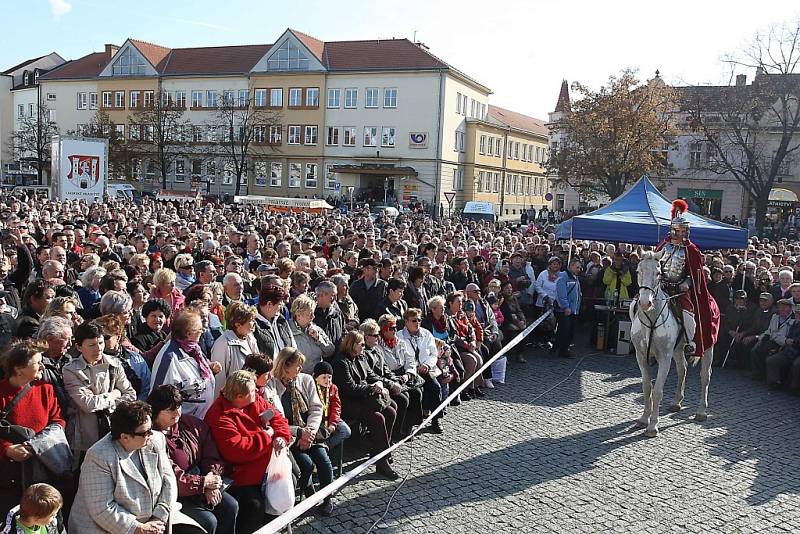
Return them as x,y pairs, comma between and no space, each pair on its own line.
569,254
744,271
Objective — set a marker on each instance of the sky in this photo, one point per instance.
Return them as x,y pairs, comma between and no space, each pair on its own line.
520,49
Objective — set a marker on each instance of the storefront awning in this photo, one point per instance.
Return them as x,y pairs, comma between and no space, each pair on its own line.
284,203
374,170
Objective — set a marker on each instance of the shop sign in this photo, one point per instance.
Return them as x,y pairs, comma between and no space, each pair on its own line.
711,194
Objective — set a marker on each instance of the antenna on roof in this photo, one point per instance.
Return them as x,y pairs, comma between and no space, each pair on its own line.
415,36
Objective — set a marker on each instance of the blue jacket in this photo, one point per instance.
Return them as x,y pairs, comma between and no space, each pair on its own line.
568,290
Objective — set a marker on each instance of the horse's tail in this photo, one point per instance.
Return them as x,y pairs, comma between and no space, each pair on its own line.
693,360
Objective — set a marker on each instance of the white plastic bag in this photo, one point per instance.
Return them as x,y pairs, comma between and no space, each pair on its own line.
278,486
498,368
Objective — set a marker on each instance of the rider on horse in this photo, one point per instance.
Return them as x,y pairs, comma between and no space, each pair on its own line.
682,273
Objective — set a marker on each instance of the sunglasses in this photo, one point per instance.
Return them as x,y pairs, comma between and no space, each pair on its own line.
147,433
413,320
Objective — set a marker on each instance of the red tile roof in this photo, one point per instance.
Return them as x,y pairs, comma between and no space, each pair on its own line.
379,54
517,120
316,46
212,60
152,52
88,66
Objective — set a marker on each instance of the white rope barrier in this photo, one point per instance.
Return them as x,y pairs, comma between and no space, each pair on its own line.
285,519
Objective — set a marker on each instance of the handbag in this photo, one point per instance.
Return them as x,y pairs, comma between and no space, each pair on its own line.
103,423
15,434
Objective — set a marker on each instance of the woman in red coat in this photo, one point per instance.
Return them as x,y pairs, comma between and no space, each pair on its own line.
246,440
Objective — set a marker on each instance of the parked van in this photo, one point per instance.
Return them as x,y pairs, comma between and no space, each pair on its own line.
121,191
479,211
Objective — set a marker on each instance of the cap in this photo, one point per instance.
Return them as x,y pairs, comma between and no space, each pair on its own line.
323,368
740,294
265,268
472,287
368,262
469,306
765,295
787,302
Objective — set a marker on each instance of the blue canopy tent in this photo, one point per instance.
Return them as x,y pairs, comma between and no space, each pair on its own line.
641,216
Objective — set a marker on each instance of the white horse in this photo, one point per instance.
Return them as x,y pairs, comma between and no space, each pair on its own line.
656,333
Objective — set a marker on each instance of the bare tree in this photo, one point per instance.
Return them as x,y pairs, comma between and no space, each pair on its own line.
121,151
32,139
245,131
614,136
161,128
750,132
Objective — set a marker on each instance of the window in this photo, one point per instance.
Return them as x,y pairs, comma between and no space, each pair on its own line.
197,134
311,175
150,170
472,107
498,148
371,97
508,184
333,98
482,146
244,98
459,144
180,99
180,170
134,99
458,179
479,183
695,156
129,64
106,99
785,168
211,171
147,99
119,99
119,130
275,135
261,169
211,134
516,150
458,103
165,99
350,97
295,97
227,173
387,137
20,110
294,174
25,78
92,100
275,173
261,98
259,134
514,184
490,146
349,136
330,177
288,56
370,135
51,97
390,97
496,184
312,97
134,132
149,132
228,98
211,99
31,109
310,135
294,135
332,138
83,102
197,99
197,169
276,98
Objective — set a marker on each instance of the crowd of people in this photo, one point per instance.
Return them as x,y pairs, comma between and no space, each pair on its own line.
160,353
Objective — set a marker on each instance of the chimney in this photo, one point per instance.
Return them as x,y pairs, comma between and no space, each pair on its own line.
111,49
741,80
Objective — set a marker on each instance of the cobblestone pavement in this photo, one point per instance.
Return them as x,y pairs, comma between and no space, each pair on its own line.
571,461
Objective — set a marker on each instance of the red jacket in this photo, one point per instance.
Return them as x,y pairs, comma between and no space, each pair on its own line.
241,439
36,410
335,411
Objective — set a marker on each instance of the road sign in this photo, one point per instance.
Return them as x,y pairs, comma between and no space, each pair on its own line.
338,186
449,195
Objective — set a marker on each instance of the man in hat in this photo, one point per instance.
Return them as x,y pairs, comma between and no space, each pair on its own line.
738,316
369,290
682,273
773,339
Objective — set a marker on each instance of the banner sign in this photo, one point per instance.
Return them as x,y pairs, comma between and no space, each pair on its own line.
81,167
418,140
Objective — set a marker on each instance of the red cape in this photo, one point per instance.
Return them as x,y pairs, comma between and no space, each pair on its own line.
702,303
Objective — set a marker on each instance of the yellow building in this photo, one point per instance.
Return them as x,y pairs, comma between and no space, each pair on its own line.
506,155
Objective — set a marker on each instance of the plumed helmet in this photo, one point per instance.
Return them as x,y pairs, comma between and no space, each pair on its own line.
679,222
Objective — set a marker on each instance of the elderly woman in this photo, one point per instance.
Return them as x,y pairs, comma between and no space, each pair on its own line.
245,439
56,333
138,295
181,362
364,398
295,395
36,408
236,343
309,338
150,333
127,484
89,292
118,303
390,360
272,331
66,307
465,342
184,267
164,282
96,384
196,463
116,344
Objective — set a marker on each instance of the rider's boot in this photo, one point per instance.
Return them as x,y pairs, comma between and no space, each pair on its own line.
689,326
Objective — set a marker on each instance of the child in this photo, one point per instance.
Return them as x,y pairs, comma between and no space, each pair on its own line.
331,406
261,365
37,512
495,303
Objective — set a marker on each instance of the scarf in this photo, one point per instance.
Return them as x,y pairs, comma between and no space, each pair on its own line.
192,348
325,397
439,324
391,343
299,406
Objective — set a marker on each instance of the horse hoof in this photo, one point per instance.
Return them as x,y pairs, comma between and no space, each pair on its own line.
639,424
700,417
674,408
651,433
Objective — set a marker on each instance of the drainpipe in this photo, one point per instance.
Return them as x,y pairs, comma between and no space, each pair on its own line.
439,155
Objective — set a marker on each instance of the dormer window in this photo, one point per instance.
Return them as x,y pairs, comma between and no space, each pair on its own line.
25,78
129,63
36,77
288,57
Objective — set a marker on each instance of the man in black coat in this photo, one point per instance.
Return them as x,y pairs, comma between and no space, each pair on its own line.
369,290
327,315
392,303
